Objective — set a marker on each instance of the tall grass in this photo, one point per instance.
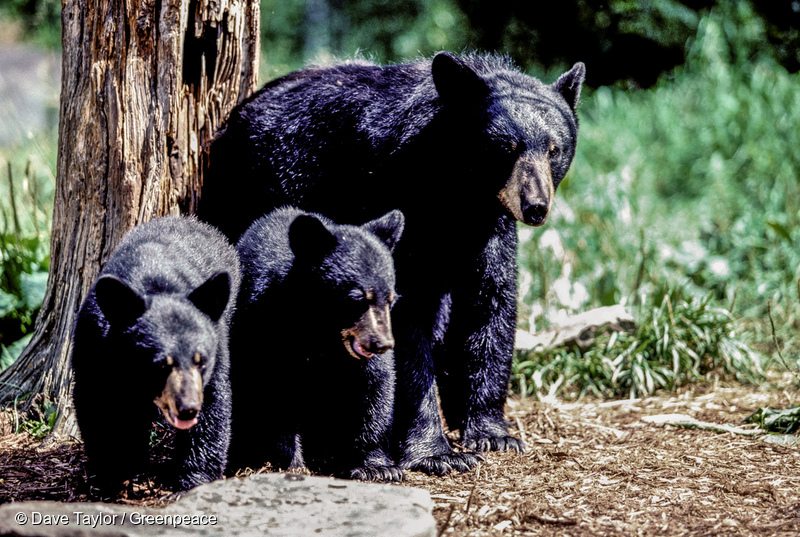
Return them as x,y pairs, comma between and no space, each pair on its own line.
26,194
693,183
679,339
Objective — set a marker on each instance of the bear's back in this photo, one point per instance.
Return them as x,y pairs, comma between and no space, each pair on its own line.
265,252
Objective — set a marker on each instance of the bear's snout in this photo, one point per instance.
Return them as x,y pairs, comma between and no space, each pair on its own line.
377,343
188,412
529,192
371,335
379,346
534,212
182,397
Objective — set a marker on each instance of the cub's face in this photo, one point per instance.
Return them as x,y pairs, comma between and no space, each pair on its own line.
352,279
172,341
366,317
182,356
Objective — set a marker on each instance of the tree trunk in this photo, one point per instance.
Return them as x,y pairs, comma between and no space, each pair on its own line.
145,84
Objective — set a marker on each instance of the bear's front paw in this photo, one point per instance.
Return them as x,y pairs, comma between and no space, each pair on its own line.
489,442
445,463
377,473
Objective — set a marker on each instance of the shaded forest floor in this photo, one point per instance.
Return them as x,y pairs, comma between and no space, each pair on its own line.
592,468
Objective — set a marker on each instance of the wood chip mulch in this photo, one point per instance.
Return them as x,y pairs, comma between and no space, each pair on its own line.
592,468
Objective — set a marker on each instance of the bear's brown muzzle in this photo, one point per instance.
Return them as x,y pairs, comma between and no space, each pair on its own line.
182,397
371,335
528,193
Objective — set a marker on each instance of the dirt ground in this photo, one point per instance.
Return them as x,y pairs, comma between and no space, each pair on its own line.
592,468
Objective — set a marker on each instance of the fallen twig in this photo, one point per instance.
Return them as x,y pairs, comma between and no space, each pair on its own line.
688,422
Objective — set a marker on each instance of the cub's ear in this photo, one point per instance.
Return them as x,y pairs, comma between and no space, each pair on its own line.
212,296
309,238
455,81
388,228
120,304
569,85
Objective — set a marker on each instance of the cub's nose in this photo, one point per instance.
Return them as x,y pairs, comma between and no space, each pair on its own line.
188,413
534,213
379,346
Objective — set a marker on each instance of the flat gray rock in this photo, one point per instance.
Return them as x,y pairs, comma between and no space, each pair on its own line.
268,504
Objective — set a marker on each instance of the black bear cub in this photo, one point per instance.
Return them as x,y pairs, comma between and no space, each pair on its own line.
152,335
312,368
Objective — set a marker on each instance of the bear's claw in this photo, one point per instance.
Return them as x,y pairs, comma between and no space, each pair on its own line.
445,463
495,443
377,473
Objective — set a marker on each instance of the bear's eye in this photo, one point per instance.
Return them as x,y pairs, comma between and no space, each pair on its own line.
554,151
168,362
356,295
198,360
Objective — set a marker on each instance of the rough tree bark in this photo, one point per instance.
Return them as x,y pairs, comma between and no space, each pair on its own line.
145,83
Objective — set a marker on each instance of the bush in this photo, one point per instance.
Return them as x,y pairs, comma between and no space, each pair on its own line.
24,261
678,339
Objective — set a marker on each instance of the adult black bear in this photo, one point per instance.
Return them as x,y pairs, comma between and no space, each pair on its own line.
312,370
154,329
464,146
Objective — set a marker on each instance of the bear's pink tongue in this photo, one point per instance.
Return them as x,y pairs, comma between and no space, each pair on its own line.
183,424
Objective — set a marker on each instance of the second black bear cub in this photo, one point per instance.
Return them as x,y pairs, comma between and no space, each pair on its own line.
312,367
154,329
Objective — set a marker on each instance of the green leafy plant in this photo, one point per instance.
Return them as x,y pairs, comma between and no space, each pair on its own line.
784,421
39,427
678,339
24,262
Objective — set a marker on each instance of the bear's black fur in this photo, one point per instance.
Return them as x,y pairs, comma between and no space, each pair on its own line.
154,329
312,370
464,146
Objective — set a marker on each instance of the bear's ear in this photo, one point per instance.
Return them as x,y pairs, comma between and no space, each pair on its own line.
120,304
212,296
569,85
309,238
455,81
388,228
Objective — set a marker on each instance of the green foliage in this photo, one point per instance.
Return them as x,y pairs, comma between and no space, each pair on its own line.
9,354
295,32
40,19
24,259
41,423
678,339
784,421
